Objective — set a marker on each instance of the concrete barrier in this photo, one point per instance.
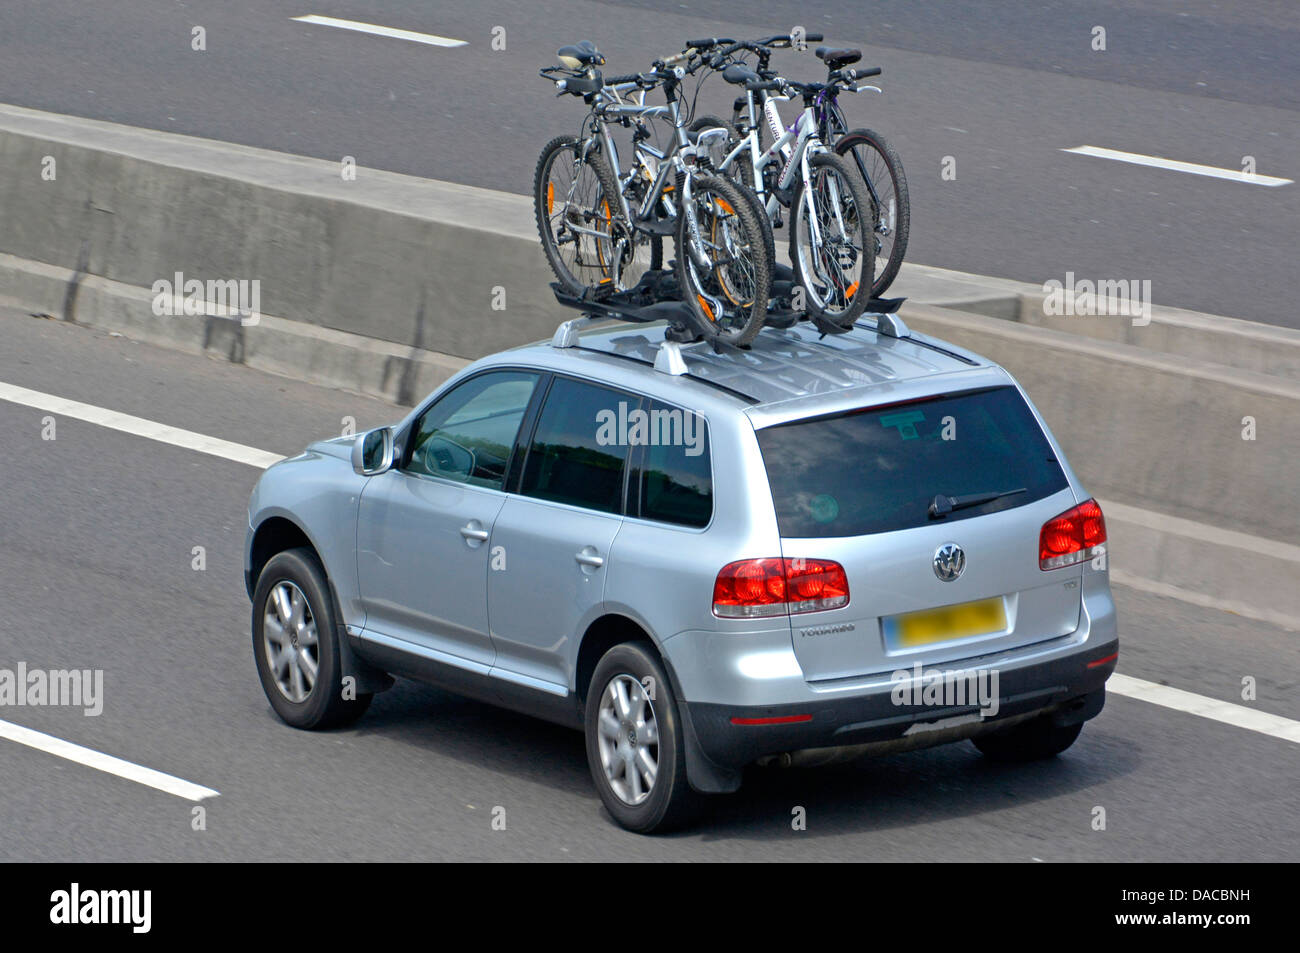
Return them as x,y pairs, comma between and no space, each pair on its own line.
1248,345
392,257
386,285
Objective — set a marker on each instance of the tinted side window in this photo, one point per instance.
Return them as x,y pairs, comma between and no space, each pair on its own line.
676,480
468,434
575,457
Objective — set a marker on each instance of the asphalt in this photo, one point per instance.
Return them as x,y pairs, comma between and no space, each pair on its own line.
998,86
96,539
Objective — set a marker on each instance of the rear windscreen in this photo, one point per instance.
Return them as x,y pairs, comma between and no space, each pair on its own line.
879,469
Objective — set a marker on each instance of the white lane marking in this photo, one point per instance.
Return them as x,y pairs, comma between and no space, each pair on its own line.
1162,695
138,426
104,762
431,39
1230,714
1234,175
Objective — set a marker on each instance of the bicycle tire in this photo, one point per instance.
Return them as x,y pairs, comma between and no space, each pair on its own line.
903,214
856,296
744,178
745,320
543,209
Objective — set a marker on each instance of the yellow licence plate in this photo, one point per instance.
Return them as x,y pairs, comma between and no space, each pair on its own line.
950,622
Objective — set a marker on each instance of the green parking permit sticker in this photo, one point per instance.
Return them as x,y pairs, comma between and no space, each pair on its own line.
905,421
824,508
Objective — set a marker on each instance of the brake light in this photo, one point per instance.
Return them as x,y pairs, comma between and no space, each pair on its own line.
1074,536
751,588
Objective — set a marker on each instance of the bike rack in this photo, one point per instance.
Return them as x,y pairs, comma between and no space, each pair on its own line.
655,298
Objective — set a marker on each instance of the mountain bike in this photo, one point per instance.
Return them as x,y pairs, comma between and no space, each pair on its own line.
832,246
757,122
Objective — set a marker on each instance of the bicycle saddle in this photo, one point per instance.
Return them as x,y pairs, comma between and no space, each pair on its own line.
740,75
835,58
580,54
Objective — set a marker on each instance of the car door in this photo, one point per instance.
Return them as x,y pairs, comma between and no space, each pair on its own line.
554,536
424,526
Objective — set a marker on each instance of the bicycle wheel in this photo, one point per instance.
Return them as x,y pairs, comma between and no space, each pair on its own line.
872,157
837,271
573,214
742,174
585,238
722,264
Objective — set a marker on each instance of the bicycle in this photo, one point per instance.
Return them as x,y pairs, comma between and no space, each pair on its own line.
877,163
832,249
722,267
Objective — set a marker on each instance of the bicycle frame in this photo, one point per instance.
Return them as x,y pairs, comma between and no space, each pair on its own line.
611,108
793,147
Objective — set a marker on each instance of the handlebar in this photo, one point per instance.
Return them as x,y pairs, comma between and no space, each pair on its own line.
783,40
638,78
708,43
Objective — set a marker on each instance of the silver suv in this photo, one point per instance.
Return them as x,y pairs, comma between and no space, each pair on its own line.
812,549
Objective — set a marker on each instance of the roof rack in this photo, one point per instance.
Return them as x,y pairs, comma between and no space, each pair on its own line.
667,353
654,298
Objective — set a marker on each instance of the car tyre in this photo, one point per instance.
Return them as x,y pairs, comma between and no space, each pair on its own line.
631,720
1032,740
294,628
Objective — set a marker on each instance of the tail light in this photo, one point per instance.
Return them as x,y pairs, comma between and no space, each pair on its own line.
751,588
1074,536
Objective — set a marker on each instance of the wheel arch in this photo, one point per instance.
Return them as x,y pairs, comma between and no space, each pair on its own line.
615,628
273,535
279,532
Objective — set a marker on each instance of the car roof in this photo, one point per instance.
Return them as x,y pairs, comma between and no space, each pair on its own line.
785,373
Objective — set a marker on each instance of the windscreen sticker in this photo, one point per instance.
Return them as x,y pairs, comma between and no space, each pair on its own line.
905,421
824,507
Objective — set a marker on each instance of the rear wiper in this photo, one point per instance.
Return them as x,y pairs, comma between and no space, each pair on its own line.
942,505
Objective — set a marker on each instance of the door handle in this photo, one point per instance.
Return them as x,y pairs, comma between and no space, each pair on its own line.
471,533
589,559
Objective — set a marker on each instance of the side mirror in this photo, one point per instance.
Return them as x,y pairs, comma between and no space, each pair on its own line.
373,451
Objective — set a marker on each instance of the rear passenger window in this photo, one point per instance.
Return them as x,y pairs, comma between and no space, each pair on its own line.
676,478
572,458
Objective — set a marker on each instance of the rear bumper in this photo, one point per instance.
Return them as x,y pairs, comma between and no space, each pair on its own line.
1070,687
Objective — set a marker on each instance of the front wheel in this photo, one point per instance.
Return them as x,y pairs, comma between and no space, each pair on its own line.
295,644
871,156
832,248
741,172
635,744
723,268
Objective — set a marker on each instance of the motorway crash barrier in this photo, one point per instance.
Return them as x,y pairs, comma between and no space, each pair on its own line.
387,284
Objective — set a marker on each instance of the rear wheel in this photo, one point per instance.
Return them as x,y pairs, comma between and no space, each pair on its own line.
635,746
836,268
575,200
723,268
1029,741
871,157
